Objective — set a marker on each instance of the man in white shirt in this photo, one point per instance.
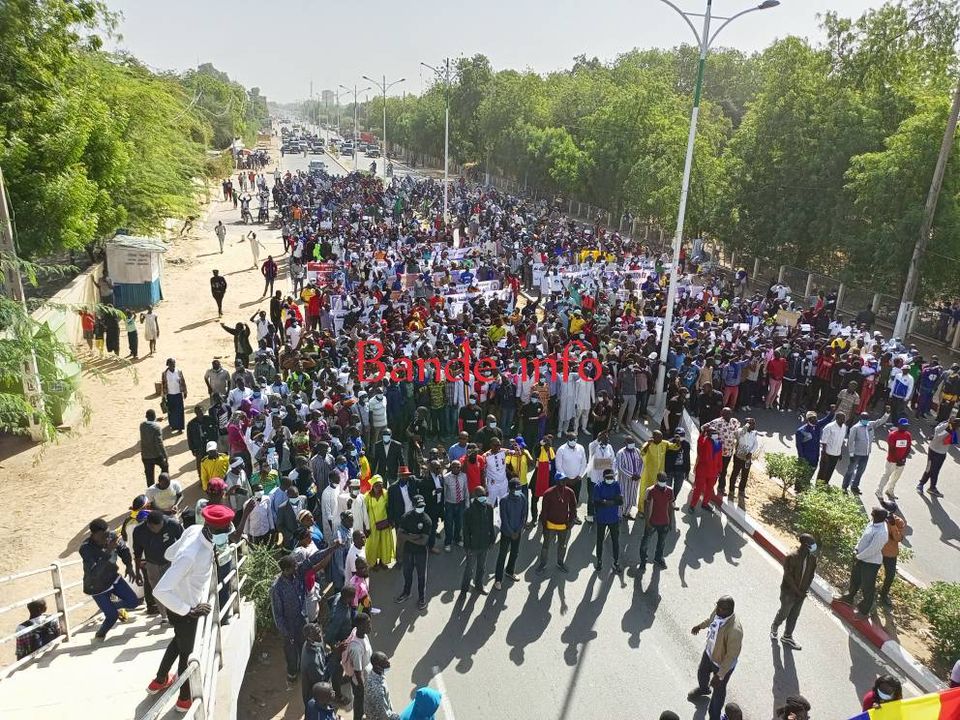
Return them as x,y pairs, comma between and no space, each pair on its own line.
602,457
831,446
258,523
869,557
328,505
164,494
495,472
746,448
571,463
184,589
356,551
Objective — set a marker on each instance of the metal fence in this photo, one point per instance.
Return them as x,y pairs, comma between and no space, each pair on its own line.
205,659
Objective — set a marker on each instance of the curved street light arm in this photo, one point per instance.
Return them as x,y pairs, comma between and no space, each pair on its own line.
681,13
730,20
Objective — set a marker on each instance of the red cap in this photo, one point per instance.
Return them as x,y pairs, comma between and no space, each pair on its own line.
219,516
404,470
217,485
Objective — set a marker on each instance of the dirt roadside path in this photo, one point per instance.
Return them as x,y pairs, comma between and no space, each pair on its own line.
47,498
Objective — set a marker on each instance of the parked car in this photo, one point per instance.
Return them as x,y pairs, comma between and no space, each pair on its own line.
373,151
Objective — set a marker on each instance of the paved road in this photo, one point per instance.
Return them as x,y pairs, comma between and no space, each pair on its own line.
933,533
590,645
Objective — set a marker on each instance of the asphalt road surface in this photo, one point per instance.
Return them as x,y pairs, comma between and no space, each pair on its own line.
589,645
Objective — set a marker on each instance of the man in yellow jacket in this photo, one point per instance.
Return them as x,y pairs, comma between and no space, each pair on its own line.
654,453
214,464
724,641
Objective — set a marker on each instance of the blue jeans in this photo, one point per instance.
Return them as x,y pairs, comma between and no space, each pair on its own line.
851,478
453,523
111,609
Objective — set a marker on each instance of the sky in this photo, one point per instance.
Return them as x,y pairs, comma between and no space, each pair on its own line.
281,45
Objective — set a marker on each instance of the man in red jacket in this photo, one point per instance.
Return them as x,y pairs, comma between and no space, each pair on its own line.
709,460
899,443
776,369
557,512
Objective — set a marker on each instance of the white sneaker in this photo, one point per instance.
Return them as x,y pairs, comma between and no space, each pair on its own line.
374,611
460,543
589,518
446,548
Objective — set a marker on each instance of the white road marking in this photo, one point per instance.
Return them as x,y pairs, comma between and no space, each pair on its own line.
444,698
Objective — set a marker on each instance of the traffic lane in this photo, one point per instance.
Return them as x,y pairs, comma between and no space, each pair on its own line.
586,638
932,531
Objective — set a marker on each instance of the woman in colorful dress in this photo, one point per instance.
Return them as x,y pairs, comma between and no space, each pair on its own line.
380,545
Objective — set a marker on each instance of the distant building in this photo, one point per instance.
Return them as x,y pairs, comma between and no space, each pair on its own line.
328,97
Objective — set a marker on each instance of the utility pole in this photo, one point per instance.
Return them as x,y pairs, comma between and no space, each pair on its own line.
338,112
13,283
902,326
383,92
446,134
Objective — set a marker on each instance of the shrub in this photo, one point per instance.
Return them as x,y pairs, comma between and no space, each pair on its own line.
941,605
835,519
260,568
790,470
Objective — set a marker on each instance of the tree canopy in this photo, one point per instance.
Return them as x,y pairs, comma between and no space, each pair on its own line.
822,154
94,141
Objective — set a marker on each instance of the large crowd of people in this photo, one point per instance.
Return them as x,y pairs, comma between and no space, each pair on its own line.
353,436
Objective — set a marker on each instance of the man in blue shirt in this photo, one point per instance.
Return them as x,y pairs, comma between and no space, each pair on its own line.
607,504
513,516
807,438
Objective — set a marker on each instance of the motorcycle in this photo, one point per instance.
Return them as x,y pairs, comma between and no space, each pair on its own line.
245,216
390,170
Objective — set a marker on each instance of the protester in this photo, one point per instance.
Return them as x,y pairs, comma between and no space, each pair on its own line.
868,558
101,577
478,537
724,642
799,569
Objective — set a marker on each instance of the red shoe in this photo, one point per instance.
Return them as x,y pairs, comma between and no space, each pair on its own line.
183,706
154,687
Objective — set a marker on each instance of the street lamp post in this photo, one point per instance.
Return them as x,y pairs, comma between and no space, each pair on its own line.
446,133
355,112
383,90
704,41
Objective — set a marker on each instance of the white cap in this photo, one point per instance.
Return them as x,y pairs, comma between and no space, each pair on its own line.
212,445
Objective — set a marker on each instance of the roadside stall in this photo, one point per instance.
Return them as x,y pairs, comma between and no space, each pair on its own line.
135,264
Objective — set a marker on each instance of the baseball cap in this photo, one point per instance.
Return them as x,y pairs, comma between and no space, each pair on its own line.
212,445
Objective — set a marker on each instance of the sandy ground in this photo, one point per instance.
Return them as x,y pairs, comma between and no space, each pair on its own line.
48,495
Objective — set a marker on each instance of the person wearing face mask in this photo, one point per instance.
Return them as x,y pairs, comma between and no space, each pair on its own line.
488,433
607,499
400,502
413,534
859,444
799,568
807,438
709,460
629,467
256,520
602,458
183,592
513,517
478,537
571,462
868,556
886,688
387,457
654,453
719,659
659,517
